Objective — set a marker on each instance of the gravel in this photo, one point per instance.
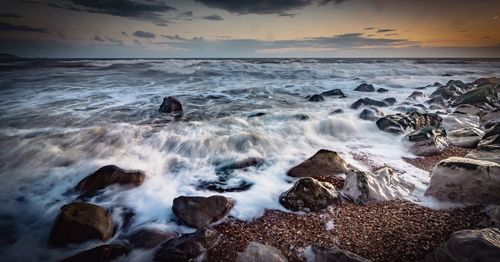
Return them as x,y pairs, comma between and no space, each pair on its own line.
428,163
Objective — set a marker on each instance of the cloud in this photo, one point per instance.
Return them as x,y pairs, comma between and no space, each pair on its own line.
21,28
391,34
288,15
369,28
137,42
124,33
186,14
256,7
174,37
114,41
324,2
385,30
213,18
98,38
10,15
143,34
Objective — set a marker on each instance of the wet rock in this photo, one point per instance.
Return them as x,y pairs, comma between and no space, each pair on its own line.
437,101
79,222
241,164
465,137
384,184
104,253
447,74
389,101
365,88
469,246
150,238
469,110
301,117
334,253
382,90
370,114
171,105
486,81
316,98
427,141
107,176
337,111
451,90
334,92
491,116
188,247
483,94
401,123
456,121
368,102
256,252
415,94
493,217
489,147
198,212
465,180
323,163
309,194
225,184
256,114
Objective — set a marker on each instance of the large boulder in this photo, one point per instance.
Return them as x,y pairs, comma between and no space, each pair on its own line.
79,222
427,141
365,88
469,246
149,238
401,123
483,94
198,211
323,163
465,137
107,176
256,252
489,147
334,92
321,254
104,253
171,105
384,184
451,90
368,102
456,121
465,180
188,247
309,194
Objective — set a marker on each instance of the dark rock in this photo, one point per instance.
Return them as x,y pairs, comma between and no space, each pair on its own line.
256,114
256,252
247,162
323,163
428,141
439,101
189,246
225,185
370,114
400,123
301,117
447,74
382,90
150,238
198,212
170,105
469,246
104,253
484,94
309,194
451,90
337,111
415,94
389,101
110,175
334,253
334,92
79,222
365,88
486,81
368,102
316,98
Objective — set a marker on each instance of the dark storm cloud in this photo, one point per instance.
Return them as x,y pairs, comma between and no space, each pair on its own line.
98,39
21,28
324,2
385,30
144,34
288,15
213,17
10,15
187,14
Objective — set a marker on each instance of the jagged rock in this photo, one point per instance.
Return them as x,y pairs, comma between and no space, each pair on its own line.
415,94
198,212
316,98
334,92
368,102
483,94
323,163
309,194
384,184
188,247
171,105
370,114
469,246
428,141
465,137
451,90
465,180
389,101
79,222
334,253
400,123
110,175
365,88
382,90
150,238
256,252
104,253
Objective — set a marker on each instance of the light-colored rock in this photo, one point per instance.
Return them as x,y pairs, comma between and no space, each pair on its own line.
427,141
465,137
456,121
486,153
309,194
380,185
465,180
256,252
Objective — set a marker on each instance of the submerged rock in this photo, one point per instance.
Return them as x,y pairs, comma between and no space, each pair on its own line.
465,180
170,105
469,246
415,94
368,102
79,222
256,252
365,88
337,111
382,90
401,123
370,114
198,212
309,194
334,253
384,184
110,175
241,164
334,92
389,101
189,246
428,141
323,163
316,98
150,238
104,253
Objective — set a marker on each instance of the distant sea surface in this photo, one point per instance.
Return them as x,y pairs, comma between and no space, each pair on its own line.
60,120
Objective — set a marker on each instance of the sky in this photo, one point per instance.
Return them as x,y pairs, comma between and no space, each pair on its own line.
249,28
